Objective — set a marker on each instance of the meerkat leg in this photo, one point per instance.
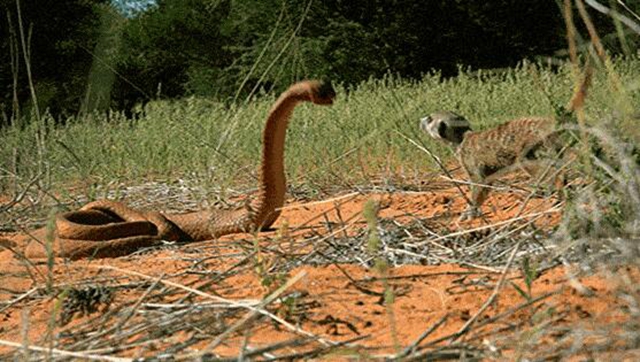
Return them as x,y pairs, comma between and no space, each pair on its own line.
550,164
547,171
538,169
533,168
478,195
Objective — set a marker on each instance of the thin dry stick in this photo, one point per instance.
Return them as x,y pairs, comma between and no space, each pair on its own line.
567,11
275,60
249,74
128,316
438,162
30,266
252,305
503,236
64,353
234,121
465,328
18,299
244,304
347,223
518,308
337,231
320,214
27,60
522,205
411,348
242,321
480,228
20,196
303,356
295,342
530,195
470,183
595,39
597,43
350,197
625,6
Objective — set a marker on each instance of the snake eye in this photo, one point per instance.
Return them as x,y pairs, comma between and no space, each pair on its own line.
326,91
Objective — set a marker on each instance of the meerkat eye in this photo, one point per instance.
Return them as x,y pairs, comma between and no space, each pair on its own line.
442,128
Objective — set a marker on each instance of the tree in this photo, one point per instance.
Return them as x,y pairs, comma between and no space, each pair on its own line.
57,38
163,46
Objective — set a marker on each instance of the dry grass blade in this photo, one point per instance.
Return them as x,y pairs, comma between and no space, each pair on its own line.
255,307
321,351
616,15
205,300
62,353
245,319
16,300
243,304
438,162
410,349
20,196
465,328
501,223
345,198
429,348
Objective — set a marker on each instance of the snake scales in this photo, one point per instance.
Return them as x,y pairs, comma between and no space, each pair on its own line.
107,228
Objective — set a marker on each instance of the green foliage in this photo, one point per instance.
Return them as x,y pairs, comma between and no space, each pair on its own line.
370,214
358,40
163,45
529,274
59,38
231,50
49,248
342,145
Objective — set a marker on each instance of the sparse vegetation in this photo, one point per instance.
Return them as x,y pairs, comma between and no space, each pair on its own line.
208,144
209,151
179,155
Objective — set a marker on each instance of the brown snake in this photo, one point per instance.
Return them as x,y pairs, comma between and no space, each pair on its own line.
107,228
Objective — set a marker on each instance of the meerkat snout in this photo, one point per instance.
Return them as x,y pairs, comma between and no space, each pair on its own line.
427,125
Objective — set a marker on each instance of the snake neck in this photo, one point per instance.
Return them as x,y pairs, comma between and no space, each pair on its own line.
272,181
262,211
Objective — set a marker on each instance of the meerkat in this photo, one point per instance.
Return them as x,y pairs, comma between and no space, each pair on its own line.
488,155
531,144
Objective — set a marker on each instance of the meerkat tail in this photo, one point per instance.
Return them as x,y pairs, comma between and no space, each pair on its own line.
580,92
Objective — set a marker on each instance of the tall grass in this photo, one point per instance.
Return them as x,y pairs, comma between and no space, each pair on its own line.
349,143
359,139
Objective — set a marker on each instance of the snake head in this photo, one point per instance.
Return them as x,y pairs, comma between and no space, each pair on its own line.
321,92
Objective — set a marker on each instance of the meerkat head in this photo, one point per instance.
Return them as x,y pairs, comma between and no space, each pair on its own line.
446,126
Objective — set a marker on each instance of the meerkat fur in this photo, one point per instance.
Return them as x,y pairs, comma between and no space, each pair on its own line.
530,144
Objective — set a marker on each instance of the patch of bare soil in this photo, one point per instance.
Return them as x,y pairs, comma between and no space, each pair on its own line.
310,289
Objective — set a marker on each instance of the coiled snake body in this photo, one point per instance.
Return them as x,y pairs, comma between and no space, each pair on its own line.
107,228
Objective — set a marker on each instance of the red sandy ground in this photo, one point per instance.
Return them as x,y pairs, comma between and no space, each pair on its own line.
341,302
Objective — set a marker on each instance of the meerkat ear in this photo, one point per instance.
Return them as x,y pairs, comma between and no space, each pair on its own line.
456,127
457,133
